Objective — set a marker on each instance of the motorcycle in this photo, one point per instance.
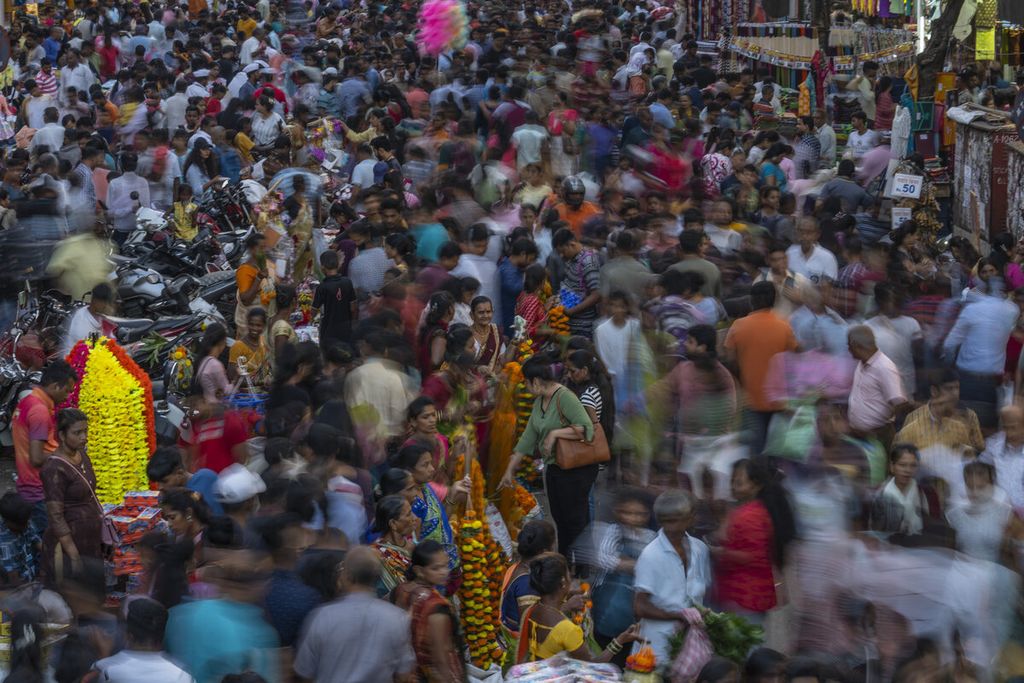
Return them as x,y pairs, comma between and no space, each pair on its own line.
15,382
224,208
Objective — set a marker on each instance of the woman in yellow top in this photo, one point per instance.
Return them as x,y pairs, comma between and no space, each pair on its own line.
546,631
253,348
255,286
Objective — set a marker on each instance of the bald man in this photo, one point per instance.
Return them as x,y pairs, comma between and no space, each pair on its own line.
360,637
877,392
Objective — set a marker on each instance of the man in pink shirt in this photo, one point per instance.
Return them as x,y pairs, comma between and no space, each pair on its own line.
877,392
33,430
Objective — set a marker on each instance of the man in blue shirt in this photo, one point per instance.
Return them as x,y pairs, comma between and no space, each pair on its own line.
353,93
978,343
52,45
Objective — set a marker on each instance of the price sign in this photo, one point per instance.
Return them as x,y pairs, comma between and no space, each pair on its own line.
904,185
901,215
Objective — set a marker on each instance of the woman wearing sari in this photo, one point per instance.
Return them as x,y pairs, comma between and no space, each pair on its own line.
458,390
395,523
435,630
536,538
434,500
422,416
488,344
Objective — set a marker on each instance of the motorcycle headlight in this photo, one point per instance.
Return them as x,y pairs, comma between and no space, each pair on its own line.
152,279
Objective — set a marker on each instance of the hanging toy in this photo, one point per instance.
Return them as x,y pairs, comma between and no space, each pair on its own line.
442,26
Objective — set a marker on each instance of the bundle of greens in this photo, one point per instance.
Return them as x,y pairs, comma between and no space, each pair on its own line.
732,636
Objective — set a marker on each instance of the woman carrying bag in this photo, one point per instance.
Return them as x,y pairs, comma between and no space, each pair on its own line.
562,431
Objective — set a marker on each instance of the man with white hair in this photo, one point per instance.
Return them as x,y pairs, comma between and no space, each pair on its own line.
877,392
665,585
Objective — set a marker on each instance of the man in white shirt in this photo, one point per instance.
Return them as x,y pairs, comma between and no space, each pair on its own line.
175,106
474,263
251,45
864,86
861,140
530,141
49,138
121,207
362,174
664,585
198,88
827,138
75,74
719,230
35,104
88,319
143,659
807,257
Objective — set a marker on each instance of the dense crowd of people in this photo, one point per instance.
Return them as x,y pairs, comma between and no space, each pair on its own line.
814,421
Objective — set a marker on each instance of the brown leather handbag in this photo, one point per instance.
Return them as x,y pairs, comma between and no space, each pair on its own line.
574,453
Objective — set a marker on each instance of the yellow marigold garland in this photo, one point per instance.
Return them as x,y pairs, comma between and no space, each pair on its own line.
482,569
119,441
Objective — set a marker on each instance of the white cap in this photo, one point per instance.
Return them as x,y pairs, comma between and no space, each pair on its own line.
202,73
330,71
237,484
249,68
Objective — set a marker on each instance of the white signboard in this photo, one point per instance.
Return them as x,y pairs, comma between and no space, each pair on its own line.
904,185
900,215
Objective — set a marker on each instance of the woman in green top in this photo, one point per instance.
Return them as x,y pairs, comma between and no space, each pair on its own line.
556,412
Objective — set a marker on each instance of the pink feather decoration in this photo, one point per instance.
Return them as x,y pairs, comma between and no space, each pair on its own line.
442,26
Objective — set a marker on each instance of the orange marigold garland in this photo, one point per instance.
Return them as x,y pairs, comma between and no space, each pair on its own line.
483,566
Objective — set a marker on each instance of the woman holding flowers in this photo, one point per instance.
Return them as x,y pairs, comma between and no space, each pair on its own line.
547,630
75,516
395,523
435,630
435,500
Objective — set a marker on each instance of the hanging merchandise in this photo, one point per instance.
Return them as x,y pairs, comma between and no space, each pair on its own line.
985,44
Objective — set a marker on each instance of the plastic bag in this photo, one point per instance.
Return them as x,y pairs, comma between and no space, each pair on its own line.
491,675
792,435
695,653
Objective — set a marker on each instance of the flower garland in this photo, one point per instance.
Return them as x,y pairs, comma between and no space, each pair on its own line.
558,321
117,397
482,569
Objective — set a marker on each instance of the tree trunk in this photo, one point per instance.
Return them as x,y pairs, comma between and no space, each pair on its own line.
932,60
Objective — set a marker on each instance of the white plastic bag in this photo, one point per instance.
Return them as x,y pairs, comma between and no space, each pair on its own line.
478,675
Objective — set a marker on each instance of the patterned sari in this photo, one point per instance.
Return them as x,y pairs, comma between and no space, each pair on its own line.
434,523
424,602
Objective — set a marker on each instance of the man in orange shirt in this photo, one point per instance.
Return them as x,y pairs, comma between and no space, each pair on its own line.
750,344
573,208
33,429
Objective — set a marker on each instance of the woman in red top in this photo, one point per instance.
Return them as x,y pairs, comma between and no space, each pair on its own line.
885,108
754,540
109,55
